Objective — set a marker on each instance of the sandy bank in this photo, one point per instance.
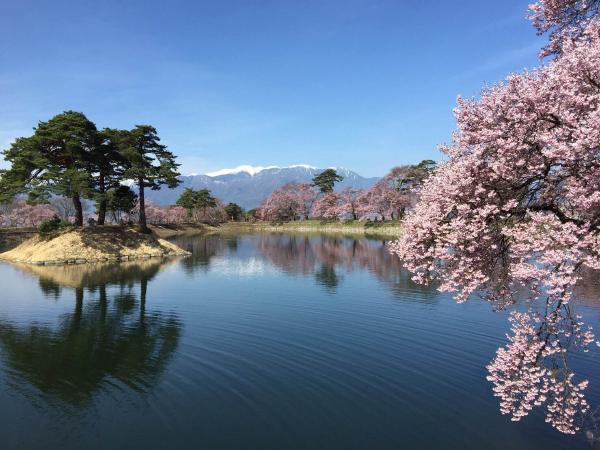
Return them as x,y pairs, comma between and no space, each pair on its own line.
91,244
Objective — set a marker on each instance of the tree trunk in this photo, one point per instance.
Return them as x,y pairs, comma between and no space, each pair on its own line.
142,203
102,204
78,210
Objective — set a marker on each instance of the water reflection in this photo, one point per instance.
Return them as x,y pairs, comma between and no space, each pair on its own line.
323,258
202,250
107,339
328,257
290,341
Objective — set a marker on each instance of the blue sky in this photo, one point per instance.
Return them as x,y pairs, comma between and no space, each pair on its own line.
363,84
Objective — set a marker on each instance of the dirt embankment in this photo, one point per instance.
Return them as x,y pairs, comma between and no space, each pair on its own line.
91,244
11,237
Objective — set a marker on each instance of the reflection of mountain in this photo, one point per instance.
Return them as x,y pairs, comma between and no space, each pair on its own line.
250,188
109,340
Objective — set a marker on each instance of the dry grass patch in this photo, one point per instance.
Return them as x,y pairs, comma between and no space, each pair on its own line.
91,244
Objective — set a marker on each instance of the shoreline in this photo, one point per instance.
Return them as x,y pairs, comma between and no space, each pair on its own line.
377,229
90,245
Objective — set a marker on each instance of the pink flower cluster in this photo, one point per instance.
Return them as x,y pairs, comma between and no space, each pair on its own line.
335,205
383,200
532,369
517,205
19,214
562,19
158,215
289,202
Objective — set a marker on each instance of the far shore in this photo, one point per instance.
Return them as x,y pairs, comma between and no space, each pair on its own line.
10,239
352,227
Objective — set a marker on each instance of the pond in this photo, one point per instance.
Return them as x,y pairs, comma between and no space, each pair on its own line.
256,342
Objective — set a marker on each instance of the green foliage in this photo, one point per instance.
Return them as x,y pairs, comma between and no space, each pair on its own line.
121,200
326,180
187,200
234,211
108,166
205,200
49,226
149,163
196,200
414,175
55,159
68,156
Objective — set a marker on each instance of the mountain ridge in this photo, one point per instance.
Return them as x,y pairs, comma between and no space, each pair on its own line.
249,185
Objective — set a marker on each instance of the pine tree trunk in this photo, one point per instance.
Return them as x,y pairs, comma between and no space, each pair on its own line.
78,210
142,202
102,204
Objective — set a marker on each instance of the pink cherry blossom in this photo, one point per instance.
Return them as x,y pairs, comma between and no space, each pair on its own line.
517,206
19,214
289,202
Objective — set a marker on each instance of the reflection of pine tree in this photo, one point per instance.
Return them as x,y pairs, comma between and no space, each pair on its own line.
327,277
202,250
99,342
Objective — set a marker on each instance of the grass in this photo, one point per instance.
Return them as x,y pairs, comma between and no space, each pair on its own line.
383,229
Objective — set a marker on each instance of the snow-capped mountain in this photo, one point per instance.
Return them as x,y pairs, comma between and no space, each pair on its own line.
248,186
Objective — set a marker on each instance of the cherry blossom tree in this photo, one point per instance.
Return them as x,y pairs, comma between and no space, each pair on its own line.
335,205
517,205
289,202
213,215
177,214
327,206
19,214
563,19
395,192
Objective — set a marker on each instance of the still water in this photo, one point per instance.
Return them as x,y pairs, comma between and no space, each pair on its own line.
255,342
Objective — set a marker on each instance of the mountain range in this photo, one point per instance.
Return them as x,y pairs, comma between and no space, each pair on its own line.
248,186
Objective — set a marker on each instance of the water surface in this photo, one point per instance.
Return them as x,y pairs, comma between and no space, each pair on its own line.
255,342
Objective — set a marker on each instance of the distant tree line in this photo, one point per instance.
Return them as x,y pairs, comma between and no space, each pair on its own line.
388,199
68,164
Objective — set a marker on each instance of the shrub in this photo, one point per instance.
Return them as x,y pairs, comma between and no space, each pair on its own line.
51,225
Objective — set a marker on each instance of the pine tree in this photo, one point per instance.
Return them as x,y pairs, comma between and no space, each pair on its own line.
149,162
54,160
